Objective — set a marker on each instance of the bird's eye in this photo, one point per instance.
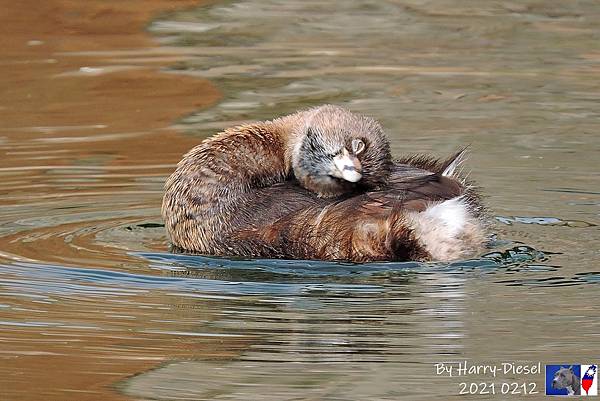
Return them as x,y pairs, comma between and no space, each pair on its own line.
357,146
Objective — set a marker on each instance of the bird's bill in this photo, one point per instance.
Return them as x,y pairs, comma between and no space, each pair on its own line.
348,167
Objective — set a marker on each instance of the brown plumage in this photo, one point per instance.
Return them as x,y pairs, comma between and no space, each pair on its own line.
318,184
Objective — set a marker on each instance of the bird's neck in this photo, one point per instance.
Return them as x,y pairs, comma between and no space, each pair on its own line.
291,129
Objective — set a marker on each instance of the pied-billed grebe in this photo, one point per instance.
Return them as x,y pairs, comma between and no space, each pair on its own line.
318,184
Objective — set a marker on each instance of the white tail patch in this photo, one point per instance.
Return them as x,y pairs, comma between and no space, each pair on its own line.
447,229
452,214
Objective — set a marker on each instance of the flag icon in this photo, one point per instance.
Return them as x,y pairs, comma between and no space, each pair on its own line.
589,380
569,379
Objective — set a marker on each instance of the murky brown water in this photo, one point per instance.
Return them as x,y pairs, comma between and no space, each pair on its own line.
94,115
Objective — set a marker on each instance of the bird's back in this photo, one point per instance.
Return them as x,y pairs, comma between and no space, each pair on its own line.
426,212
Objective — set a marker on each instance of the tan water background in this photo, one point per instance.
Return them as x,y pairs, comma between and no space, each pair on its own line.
99,100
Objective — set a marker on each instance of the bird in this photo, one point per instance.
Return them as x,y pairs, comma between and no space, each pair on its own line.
320,184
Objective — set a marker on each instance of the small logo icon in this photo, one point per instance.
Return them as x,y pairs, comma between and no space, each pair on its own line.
589,381
568,379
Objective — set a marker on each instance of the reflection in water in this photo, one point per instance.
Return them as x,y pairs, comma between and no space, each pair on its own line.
89,134
543,221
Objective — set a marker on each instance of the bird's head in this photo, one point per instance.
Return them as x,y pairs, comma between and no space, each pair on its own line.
339,152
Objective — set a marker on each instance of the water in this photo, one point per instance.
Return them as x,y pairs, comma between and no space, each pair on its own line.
92,306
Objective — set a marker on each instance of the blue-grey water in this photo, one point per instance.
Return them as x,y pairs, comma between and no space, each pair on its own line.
93,306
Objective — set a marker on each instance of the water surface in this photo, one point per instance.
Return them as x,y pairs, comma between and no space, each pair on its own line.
92,306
